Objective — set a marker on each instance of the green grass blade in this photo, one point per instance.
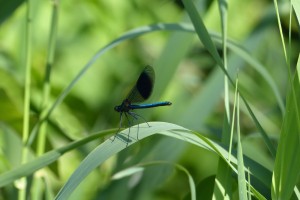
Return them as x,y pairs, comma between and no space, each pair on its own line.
280,29
129,35
191,182
223,190
48,70
223,5
109,148
249,184
7,8
296,6
202,31
206,40
45,160
127,172
224,173
241,168
287,163
140,167
239,50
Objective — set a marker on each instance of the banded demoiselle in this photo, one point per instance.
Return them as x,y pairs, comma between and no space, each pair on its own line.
139,93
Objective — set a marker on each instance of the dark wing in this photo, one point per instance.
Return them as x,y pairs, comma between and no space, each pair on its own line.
143,87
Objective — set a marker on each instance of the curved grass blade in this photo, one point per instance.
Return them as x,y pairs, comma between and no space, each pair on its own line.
140,167
208,43
129,35
109,148
7,8
46,159
182,27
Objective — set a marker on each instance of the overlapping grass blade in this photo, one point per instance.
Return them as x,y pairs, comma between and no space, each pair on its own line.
46,159
287,163
208,43
109,148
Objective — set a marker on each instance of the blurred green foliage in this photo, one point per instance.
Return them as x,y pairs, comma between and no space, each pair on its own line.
186,75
